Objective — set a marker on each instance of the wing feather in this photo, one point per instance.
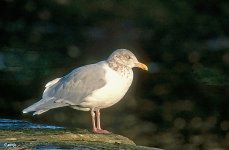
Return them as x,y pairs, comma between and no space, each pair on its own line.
71,89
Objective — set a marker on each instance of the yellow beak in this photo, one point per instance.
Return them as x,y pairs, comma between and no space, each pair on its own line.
142,66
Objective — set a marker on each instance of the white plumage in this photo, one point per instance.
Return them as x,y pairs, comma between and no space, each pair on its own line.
91,87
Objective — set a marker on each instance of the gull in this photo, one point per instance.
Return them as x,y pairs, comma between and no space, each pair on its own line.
91,87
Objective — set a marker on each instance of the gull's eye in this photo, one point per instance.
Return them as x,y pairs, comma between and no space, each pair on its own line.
127,56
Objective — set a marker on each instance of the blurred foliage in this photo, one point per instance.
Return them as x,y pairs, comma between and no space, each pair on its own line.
211,77
183,99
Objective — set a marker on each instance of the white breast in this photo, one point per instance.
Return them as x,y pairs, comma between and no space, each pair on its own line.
114,90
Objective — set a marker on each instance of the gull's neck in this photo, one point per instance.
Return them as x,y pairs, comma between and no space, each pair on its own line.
120,68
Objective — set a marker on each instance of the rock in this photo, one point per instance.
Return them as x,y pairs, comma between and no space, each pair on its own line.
26,135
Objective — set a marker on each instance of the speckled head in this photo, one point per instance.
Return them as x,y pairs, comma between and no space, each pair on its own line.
125,58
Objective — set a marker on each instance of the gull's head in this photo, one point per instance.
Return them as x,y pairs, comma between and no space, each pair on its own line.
126,58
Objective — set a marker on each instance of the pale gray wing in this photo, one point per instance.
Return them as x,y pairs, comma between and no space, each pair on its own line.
70,89
80,83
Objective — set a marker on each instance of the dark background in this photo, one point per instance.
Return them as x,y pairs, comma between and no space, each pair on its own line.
181,103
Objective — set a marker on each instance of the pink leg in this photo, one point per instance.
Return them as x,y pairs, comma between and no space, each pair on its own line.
95,116
94,129
97,113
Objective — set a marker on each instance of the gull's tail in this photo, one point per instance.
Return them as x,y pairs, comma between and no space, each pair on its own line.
38,108
46,103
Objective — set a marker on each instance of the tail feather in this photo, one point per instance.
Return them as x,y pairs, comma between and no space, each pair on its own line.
27,110
36,108
39,112
43,105
47,102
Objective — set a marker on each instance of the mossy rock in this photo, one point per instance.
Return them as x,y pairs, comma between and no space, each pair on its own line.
20,135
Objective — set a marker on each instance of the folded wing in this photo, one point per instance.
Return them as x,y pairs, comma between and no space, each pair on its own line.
70,90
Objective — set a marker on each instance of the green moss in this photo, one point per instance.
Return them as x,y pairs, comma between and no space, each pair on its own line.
63,138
